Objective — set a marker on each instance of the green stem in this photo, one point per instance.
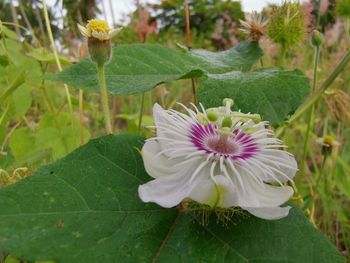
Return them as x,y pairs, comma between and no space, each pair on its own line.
318,14
194,92
81,116
104,98
318,180
141,112
49,31
347,29
282,56
311,113
16,25
4,113
49,102
317,95
13,86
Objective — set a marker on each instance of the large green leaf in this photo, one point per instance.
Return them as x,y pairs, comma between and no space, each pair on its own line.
242,57
85,208
140,67
21,142
274,93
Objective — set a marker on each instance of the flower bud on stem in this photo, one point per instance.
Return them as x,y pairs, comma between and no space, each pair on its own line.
98,35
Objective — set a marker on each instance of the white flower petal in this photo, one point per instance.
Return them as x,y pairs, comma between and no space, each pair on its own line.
204,192
227,192
269,213
169,128
100,35
83,30
290,161
167,191
158,165
282,161
115,31
257,194
215,192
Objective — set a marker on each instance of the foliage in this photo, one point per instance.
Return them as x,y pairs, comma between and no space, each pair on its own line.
45,215
274,93
137,68
55,133
343,9
86,207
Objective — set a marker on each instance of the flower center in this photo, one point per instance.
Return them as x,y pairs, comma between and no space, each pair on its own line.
328,140
222,144
235,145
97,25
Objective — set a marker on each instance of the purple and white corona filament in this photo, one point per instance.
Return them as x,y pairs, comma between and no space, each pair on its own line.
219,158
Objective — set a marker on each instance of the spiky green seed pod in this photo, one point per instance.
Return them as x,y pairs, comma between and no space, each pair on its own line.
343,8
286,25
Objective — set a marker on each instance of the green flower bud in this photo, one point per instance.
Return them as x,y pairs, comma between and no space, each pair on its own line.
317,38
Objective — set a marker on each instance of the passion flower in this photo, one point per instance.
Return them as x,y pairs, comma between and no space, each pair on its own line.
217,157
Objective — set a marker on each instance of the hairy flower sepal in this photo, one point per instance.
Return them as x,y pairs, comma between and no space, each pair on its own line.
100,51
218,166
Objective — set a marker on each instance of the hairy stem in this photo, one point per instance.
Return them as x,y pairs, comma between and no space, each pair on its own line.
104,98
347,29
311,112
188,31
188,44
307,135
